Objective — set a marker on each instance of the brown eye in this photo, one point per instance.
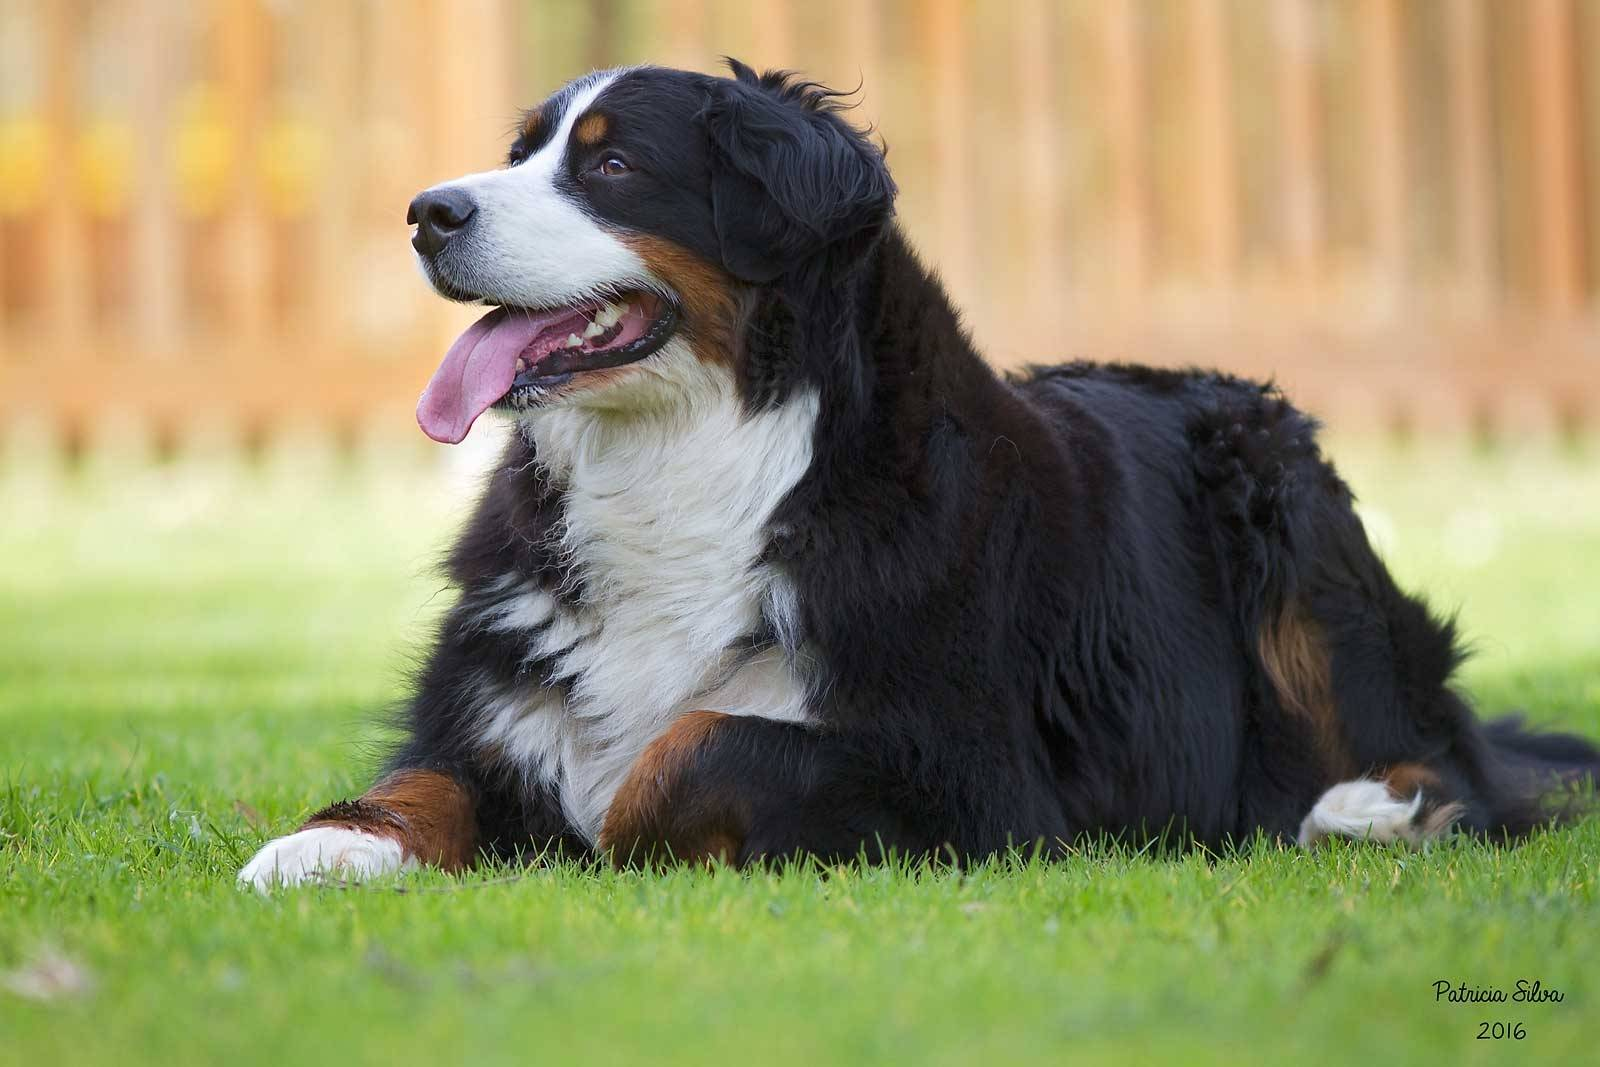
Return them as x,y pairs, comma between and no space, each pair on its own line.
613,167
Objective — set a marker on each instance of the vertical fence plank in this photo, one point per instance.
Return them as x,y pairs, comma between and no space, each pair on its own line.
245,33
773,42
1212,141
596,36
1034,42
1125,124
1559,218
335,111
1385,156
860,40
1587,38
64,232
683,25
157,266
903,119
946,69
1470,160
1300,132
461,108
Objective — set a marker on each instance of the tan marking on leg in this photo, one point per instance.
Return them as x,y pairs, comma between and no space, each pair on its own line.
652,816
1295,654
430,814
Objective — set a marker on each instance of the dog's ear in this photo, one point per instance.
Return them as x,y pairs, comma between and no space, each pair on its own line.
789,177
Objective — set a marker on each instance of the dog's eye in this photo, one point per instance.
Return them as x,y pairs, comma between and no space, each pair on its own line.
613,167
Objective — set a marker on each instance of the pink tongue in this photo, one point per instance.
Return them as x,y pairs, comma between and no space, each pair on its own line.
477,371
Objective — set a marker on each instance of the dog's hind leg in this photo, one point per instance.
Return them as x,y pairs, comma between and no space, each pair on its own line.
1416,759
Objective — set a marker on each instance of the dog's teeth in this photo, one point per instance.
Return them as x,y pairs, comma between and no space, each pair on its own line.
609,316
594,329
522,364
573,340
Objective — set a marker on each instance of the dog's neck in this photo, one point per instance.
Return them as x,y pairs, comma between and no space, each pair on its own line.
667,502
660,515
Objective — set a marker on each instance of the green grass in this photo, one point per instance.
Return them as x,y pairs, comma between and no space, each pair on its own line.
191,659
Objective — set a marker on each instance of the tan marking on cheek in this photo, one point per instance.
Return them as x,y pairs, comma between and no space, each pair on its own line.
706,293
430,814
592,129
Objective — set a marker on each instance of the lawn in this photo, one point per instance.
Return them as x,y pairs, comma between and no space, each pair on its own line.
192,656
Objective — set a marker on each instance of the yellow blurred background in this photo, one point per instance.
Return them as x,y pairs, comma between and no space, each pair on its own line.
1392,206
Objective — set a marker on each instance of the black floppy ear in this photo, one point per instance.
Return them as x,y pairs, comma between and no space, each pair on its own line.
789,178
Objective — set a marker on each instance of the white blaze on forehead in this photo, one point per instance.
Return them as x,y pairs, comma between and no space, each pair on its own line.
533,244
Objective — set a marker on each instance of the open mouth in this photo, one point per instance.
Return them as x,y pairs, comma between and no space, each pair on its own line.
591,336
513,356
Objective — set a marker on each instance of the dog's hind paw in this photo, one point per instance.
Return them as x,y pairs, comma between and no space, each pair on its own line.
1364,810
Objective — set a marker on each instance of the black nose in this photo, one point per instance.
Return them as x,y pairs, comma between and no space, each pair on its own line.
438,215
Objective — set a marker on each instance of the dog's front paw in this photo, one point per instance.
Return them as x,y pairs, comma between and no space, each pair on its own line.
323,850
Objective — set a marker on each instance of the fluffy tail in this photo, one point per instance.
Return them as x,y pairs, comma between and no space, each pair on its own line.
1540,776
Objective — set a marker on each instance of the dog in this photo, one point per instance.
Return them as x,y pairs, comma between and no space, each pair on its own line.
775,565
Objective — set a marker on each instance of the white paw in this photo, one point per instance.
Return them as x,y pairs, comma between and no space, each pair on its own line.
309,854
1363,809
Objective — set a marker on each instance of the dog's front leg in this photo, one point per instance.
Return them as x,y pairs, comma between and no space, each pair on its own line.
410,816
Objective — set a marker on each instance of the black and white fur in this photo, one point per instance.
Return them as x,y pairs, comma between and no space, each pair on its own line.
940,611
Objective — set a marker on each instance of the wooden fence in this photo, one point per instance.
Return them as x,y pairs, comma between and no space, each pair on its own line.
1394,207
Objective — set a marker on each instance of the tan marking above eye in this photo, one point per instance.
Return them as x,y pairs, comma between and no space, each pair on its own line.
592,129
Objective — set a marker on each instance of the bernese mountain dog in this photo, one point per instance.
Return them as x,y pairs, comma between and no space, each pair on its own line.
775,565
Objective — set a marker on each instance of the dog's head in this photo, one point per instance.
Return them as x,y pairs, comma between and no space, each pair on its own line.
637,211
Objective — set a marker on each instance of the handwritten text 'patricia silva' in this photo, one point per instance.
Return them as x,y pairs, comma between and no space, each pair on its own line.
1526,991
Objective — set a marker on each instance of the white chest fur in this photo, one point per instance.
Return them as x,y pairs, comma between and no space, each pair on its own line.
666,515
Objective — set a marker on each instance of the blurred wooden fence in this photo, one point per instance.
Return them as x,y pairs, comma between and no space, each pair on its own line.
1392,206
